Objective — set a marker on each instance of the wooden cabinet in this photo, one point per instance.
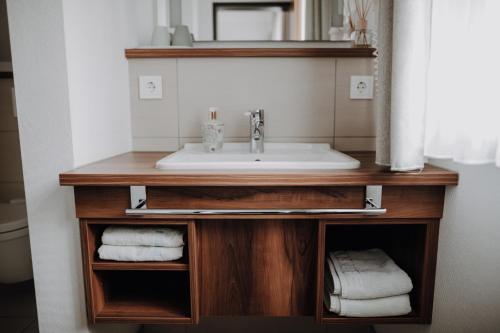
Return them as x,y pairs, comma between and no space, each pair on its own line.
261,264
265,265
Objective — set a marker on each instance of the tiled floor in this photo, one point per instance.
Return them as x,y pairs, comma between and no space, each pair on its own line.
18,308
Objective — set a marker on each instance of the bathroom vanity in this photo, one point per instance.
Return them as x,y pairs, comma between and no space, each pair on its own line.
255,240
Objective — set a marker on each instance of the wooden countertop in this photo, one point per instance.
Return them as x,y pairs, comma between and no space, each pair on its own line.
138,168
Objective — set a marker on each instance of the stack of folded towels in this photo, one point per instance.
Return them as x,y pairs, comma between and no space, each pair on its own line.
141,244
366,284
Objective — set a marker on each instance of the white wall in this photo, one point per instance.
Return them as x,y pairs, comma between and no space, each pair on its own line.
467,293
62,67
97,32
45,130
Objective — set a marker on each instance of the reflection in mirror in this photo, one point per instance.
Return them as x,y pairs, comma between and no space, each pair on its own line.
245,21
269,20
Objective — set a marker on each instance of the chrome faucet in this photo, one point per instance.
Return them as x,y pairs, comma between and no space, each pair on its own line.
256,131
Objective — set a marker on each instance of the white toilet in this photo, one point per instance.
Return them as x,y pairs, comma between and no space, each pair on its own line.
15,255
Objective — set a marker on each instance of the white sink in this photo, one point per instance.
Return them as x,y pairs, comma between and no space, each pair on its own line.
284,156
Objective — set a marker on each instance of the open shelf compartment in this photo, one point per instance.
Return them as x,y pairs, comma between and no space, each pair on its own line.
411,246
142,296
140,292
94,233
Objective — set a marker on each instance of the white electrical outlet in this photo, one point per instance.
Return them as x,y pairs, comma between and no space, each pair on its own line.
150,87
362,87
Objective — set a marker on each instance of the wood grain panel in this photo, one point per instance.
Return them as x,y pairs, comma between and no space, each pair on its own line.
400,201
413,201
429,261
176,265
250,268
320,270
250,52
194,293
255,197
138,221
93,298
95,202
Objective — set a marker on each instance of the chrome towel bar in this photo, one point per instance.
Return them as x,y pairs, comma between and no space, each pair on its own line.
366,211
372,207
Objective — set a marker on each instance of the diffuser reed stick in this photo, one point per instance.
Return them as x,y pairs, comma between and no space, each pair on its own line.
361,10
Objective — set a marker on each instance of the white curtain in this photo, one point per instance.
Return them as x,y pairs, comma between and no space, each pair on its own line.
445,90
383,70
463,102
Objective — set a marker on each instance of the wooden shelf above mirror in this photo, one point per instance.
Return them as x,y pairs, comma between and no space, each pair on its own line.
350,52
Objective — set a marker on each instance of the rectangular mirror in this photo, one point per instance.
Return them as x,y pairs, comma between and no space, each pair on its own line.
252,21
268,20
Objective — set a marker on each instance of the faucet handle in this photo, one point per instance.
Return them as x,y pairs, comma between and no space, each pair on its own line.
253,113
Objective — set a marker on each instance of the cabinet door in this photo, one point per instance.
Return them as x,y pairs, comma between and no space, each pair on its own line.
257,267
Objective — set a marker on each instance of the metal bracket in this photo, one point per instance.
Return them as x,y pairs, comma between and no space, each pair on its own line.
373,196
138,197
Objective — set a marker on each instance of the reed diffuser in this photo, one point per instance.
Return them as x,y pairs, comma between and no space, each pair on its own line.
362,36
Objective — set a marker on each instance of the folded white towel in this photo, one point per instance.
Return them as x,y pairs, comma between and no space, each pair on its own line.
369,274
146,236
331,277
139,253
375,307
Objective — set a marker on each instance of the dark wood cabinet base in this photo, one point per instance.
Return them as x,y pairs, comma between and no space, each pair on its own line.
252,265
247,267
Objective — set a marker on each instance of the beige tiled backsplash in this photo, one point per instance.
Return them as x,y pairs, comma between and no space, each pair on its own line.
296,94
305,100
353,118
354,144
154,118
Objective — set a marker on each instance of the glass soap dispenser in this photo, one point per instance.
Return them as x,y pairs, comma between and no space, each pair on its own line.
212,132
